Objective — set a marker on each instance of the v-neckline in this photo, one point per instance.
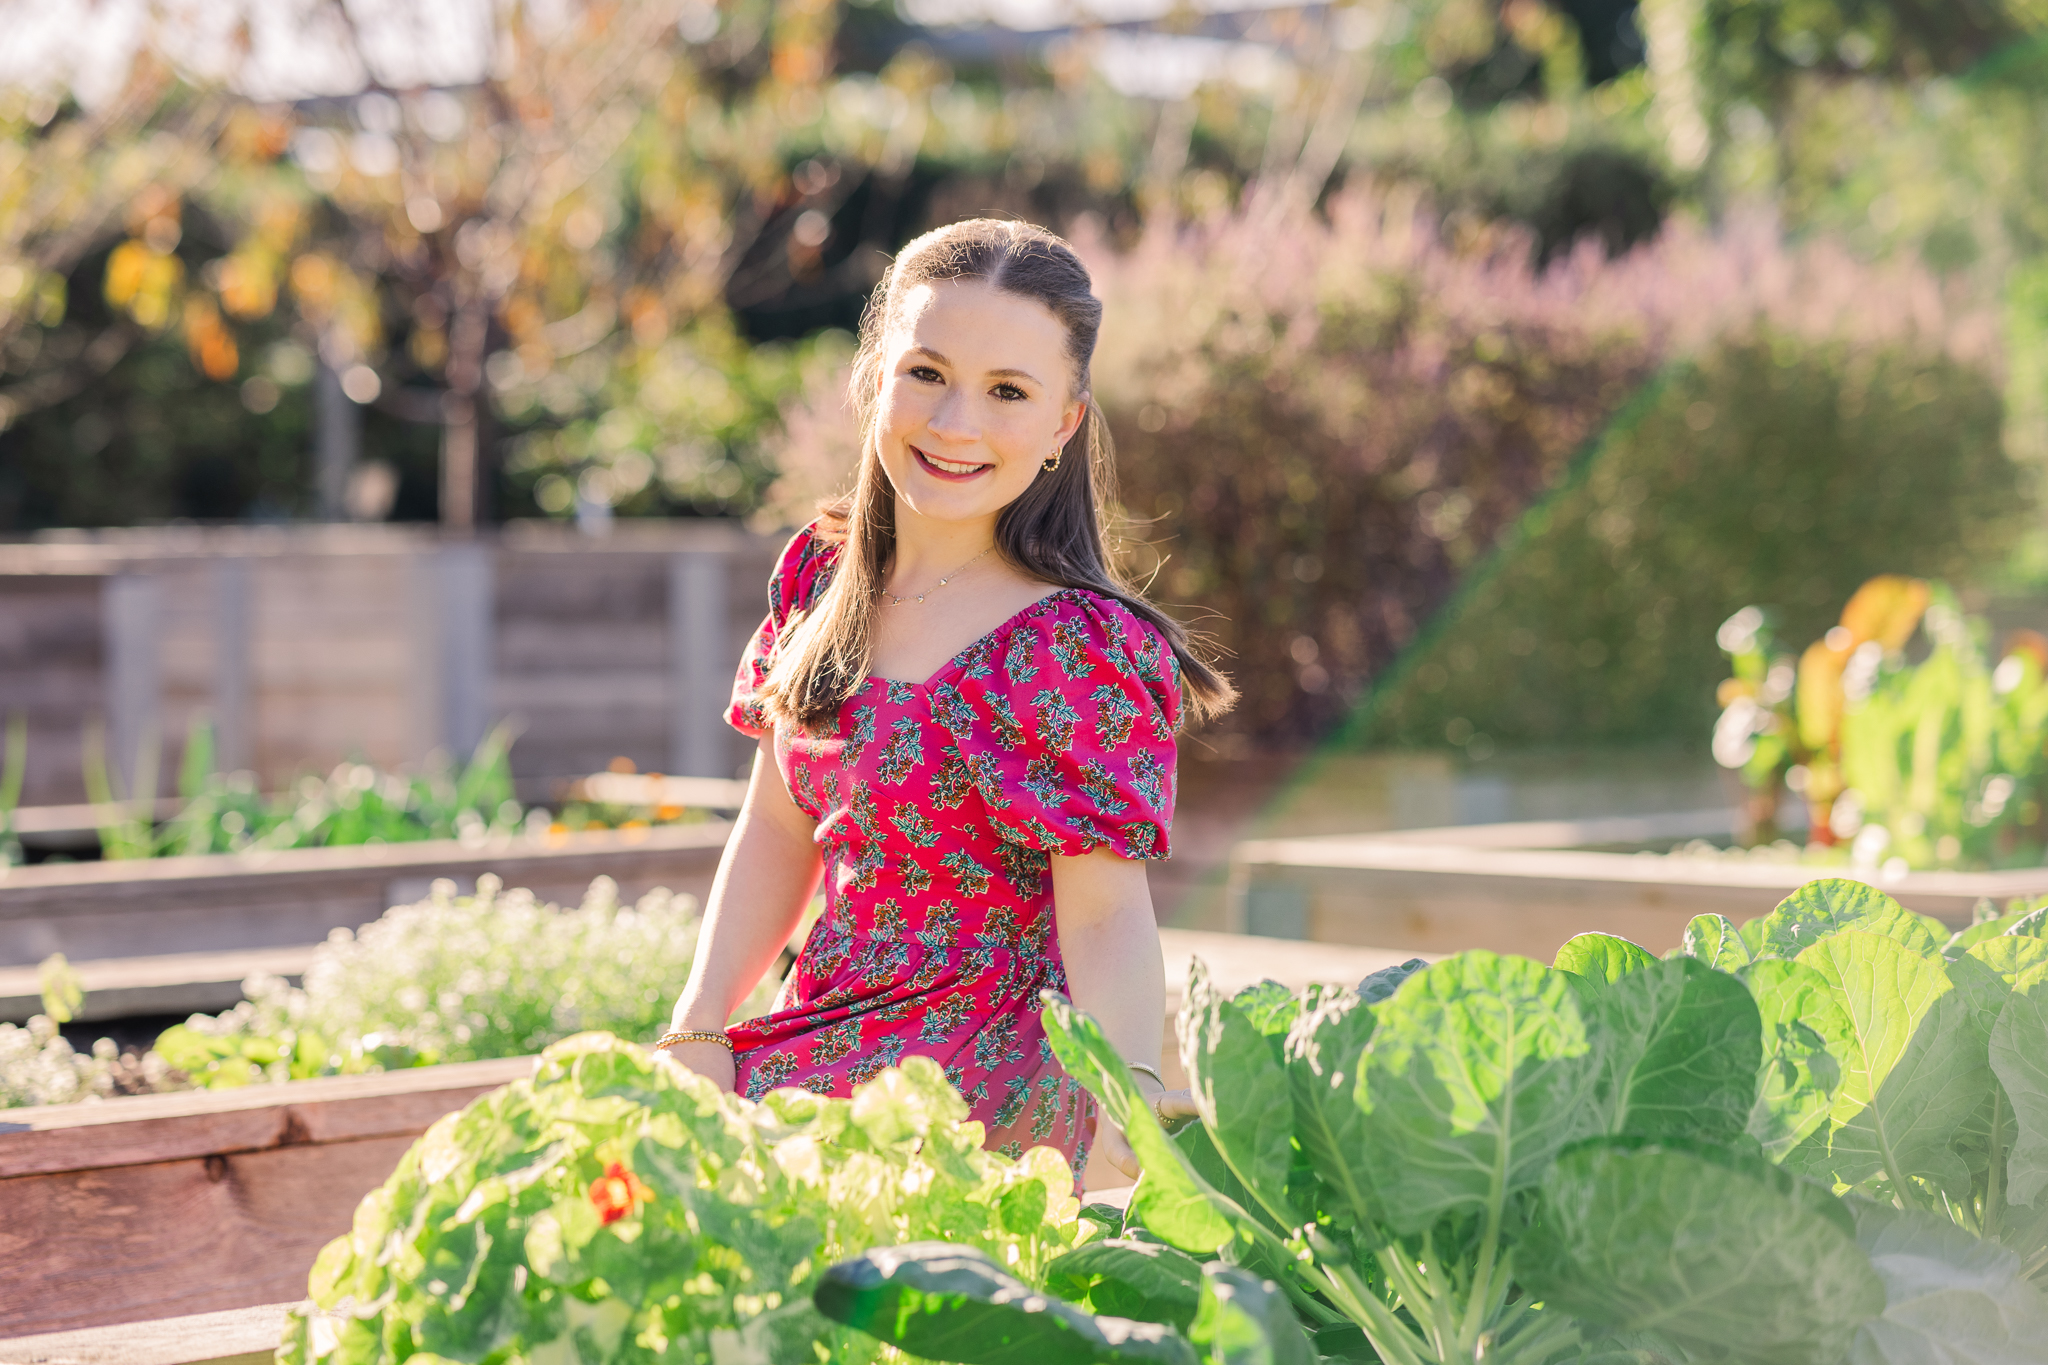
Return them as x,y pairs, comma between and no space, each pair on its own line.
999,628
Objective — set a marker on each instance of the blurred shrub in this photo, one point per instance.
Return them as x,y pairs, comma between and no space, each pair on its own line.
1767,470
1324,422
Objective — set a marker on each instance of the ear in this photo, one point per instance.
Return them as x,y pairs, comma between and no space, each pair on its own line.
1071,417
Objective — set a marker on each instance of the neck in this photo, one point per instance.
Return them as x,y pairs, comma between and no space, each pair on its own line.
925,549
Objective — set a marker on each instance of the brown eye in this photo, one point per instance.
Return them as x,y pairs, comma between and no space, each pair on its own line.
1009,393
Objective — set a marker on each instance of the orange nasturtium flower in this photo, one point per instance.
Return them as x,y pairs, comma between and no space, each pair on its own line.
616,1191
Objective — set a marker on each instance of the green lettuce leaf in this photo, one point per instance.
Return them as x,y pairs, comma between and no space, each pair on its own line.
1913,1071
1171,1200
1129,1279
1832,904
1990,927
1806,1029
1245,1320
1602,957
1378,985
945,1302
1680,1046
1714,940
1322,1054
1653,1238
1241,1086
1950,1299
2033,924
2019,1057
1478,1071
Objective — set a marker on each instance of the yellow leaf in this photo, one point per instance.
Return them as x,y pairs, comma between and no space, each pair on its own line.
1818,702
1886,609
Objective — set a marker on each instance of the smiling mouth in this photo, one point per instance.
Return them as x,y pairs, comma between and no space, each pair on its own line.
952,470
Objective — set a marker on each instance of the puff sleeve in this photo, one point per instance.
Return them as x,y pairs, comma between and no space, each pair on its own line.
800,575
1066,731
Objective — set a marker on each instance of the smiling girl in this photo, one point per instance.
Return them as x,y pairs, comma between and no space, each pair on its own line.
967,724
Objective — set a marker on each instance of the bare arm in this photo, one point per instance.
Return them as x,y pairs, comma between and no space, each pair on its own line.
1110,944
765,879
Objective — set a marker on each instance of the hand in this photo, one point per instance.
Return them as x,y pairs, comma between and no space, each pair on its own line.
1175,1107
1171,1107
709,1060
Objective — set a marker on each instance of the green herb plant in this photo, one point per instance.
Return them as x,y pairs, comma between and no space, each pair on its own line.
1821,1137
354,804
617,1207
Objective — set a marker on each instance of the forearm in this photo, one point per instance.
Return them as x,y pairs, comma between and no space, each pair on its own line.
1110,945
765,879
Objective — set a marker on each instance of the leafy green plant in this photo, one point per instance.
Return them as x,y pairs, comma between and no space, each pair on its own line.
1814,1138
1936,758
353,804
10,786
1930,1093
454,978
617,1207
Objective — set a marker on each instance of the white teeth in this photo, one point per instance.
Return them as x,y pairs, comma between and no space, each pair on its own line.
949,467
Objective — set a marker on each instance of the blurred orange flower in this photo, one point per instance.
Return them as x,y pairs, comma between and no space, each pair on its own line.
617,1191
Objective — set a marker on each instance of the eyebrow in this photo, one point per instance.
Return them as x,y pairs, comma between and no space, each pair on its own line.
1006,374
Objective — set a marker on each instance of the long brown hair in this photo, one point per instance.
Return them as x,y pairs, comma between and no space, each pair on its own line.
1053,531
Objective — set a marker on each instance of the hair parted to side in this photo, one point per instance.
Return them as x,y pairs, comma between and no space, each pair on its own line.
1054,531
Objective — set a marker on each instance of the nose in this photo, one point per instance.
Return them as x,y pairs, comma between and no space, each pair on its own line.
953,419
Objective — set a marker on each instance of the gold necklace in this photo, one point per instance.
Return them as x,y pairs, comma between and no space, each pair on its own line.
896,601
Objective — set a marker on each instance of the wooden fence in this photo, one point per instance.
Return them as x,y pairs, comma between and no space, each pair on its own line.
307,646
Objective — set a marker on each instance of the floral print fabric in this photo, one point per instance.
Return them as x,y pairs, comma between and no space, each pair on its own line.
938,806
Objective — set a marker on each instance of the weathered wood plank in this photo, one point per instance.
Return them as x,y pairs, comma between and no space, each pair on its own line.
165,983
1438,896
141,1129
126,1243
236,1336
223,901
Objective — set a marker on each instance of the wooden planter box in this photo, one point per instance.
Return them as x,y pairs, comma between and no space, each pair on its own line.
159,1206
237,902
1526,888
165,1205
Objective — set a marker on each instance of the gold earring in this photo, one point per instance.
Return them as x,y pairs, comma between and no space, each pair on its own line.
1053,462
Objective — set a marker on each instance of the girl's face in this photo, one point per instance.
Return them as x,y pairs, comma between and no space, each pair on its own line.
975,398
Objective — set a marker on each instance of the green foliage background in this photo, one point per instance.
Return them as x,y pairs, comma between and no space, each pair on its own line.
1762,472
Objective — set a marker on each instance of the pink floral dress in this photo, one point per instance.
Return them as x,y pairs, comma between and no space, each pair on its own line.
937,805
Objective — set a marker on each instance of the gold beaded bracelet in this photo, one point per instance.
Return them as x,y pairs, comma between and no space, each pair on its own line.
674,1036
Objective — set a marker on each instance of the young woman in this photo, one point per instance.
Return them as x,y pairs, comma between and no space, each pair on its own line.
966,721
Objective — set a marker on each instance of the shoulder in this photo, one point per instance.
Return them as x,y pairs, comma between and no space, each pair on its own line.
804,568
1077,641
1108,631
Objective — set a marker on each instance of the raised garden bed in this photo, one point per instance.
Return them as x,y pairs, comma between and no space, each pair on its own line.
90,911
164,1205
157,1206
1526,888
